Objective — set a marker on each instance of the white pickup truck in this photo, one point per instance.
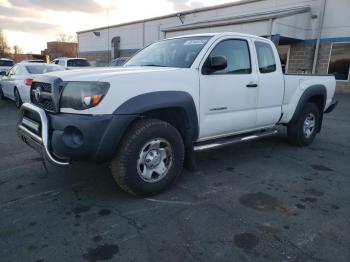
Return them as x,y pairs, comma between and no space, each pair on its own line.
173,98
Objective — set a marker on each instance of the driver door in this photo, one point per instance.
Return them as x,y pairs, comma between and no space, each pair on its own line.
228,97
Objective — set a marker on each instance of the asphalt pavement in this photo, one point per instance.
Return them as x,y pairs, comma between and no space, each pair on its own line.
258,201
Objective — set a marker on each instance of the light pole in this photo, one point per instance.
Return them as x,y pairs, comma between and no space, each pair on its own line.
108,42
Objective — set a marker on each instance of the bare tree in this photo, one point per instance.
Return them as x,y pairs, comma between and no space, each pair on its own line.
66,38
16,50
64,46
4,47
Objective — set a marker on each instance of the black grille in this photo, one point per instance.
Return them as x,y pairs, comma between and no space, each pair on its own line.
42,98
45,86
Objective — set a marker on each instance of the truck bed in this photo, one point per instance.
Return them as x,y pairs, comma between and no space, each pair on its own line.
296,84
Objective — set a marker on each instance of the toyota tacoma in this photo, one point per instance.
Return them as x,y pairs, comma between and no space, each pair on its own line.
173,98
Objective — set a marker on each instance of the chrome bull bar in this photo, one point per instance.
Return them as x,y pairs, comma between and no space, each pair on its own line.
44,139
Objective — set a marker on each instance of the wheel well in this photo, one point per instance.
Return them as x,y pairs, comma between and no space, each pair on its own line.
319,101
175,116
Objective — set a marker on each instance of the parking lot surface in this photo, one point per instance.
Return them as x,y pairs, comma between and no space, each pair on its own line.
259,201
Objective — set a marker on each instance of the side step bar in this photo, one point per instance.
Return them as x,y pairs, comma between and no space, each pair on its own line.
221,142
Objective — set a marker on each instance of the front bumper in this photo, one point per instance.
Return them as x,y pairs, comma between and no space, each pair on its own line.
69,137
35,134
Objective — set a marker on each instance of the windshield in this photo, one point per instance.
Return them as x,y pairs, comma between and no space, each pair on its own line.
6,63
42,69
178,52
78,63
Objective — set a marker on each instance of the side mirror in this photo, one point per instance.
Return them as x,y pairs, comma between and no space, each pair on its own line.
218,63
213,64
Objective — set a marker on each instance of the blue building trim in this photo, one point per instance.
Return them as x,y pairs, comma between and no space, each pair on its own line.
275,37
328,40
129,50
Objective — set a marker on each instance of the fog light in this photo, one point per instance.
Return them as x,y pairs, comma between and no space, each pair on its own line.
73,137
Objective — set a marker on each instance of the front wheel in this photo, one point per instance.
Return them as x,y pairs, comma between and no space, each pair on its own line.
18,100
303,131
149,159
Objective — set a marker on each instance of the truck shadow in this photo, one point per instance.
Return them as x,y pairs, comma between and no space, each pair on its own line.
97,178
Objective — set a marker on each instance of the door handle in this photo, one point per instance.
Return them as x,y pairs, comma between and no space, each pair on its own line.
251,85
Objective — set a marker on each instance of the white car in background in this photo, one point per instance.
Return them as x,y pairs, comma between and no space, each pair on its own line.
71,63
16,84
5,65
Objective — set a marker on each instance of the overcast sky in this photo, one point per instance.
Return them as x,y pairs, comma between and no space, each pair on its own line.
31,23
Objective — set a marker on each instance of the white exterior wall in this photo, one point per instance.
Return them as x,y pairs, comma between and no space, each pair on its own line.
299,26
337,19
130,35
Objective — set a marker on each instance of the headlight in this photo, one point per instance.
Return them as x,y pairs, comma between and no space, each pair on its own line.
83,95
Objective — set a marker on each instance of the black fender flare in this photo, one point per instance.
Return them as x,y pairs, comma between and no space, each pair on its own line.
162,100
314,90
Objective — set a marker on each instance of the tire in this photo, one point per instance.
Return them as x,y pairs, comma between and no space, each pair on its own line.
300,132
18,100
2,96
149,147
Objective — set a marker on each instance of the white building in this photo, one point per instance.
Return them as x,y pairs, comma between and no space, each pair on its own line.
311,35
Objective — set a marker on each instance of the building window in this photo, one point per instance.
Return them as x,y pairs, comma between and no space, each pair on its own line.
284,53
339,62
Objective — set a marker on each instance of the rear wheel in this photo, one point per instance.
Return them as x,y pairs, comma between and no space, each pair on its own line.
18,100
149,159
303,131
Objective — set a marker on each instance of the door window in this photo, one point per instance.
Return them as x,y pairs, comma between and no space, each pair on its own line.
78,63
237,54
266,59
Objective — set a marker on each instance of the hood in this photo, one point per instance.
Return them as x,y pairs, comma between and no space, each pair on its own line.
98,74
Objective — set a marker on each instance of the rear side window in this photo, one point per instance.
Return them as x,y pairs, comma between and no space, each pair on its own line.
237,54
78,63
266,58
6,63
